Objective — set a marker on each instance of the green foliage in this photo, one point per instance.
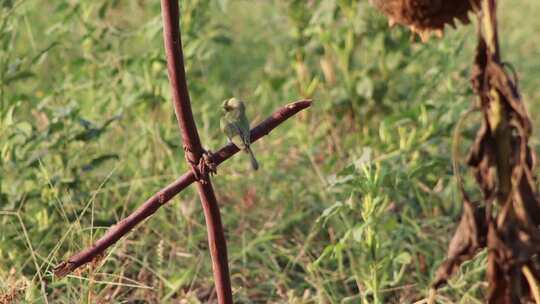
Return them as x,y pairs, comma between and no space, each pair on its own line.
355,201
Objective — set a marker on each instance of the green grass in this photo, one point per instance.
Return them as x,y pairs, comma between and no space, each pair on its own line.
355,200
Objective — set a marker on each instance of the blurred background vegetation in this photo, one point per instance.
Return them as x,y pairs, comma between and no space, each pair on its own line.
355,201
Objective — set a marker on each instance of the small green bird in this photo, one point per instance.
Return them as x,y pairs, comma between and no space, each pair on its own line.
236,126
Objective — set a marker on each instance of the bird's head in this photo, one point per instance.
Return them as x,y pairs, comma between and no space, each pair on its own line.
233,104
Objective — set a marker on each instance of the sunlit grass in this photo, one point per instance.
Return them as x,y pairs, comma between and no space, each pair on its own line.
355,200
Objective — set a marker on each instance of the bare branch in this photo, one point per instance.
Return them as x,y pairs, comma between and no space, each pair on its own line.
194,150
177,78
166,194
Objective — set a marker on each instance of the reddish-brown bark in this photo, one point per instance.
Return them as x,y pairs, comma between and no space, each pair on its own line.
193,148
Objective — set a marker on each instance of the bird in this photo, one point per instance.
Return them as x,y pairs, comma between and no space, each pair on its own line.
235,125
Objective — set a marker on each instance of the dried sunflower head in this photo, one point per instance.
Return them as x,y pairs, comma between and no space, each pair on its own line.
425,17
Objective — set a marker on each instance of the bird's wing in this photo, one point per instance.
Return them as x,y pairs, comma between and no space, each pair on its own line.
244,129
233,131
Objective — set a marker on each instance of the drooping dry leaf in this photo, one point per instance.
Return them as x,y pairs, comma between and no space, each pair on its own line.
467,241
501,147
499,260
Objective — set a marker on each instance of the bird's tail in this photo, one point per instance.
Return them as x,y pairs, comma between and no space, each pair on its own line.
254,163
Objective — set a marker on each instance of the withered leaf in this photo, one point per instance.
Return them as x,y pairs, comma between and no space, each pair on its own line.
468,239
425,16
